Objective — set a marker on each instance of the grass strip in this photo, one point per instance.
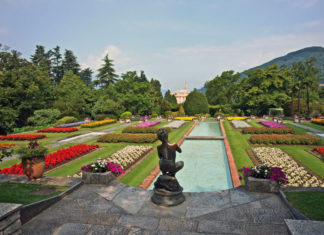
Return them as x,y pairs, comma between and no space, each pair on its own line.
75,166
309,203
313,125
136,177
20,193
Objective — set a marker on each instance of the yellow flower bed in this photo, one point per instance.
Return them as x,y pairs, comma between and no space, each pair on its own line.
318,121
7,145
236,118
99,123
184,118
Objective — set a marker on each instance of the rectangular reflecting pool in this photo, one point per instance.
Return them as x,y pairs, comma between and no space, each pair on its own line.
206,167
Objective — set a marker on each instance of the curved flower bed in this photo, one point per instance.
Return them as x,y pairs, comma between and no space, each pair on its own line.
267,130
239,124
296,175
73,124
128,155
236,118
272,124
99,123
22,137
285,139
148,124
135,130
129,138
7,145
58,130
319,150
175,124
318,121
60,156
185,118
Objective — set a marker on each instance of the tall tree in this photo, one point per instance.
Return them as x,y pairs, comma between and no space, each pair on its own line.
298,69
142,77
41,58
106,74
170,98
70,63
86,76
57,67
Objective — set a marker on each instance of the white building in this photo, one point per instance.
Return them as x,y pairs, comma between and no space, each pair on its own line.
181,95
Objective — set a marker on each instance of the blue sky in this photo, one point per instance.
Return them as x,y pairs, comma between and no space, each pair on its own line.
174,41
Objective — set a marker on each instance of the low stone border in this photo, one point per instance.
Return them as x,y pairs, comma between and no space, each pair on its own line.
98,178
10,222
29,211
315,154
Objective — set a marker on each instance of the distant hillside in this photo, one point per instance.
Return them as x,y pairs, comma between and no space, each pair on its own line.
296,56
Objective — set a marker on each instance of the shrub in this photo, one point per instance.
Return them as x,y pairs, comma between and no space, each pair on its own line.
129,138
196,102
44,117
126,115
266,130
181,111
168,113
154,115
152,130
100,117
66,119
207,115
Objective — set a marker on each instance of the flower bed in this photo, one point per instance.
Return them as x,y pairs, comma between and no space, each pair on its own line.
99,123
284,139
151,130
60,156
128,155
148,124
272,124
267,130
175,124
296,175
239,124
103,165
22,137
319,150
74,124
58,130
185,118
129,138
319,121
236,118
7,145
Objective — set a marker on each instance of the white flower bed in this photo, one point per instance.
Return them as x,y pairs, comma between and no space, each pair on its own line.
128,155
176,124
297,176
239,124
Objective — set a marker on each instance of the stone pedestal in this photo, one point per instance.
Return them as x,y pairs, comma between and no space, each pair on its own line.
261,185
167,191
97,178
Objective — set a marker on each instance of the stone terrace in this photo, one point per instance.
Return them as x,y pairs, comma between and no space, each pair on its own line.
120,209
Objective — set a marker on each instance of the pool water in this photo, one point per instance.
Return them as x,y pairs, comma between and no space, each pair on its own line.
206,167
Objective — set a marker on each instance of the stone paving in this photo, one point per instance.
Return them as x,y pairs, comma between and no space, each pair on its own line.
121,209
313,131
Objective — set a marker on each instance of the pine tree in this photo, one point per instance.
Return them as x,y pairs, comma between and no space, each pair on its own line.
86,76
41,58
106,74
57,67
70,63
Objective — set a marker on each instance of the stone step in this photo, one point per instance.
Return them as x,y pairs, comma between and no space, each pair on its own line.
205,137
301,227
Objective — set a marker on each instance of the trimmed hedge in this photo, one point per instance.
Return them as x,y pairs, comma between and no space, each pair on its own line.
285,139
135,130
266,130
128,138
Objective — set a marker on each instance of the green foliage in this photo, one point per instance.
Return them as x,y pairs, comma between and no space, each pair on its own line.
195,103
168,113
170,98
154,114
32,150
126,115
181,111
86,76
105,105
106,74
44,117
64,120
100,117
70,63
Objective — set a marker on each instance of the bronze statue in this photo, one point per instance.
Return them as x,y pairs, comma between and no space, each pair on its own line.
167,154
167,190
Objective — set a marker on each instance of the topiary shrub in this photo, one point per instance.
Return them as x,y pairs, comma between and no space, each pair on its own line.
43,117
126,115
66,119
181,112
196,103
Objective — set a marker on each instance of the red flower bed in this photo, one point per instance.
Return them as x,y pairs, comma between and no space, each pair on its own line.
22,137
285,139
319,150
60,156
267,130
58,130
129,138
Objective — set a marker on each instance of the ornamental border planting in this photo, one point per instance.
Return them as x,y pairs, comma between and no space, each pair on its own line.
148,124
128,138
289,139
135,130
58,130
98,123
22,137
272,124
267,130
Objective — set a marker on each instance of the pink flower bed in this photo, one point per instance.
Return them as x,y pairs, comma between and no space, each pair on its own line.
272,124
148,124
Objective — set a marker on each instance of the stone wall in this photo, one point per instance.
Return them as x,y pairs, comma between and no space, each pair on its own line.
10,218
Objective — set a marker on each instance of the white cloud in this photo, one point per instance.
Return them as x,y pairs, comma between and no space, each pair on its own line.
197,64
304,3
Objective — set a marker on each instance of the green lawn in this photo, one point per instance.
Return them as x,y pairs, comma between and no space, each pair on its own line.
255,123
298,130
313,125
309,203
238,143
136,176
20,193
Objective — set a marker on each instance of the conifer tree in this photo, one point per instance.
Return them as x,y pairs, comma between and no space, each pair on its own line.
106,74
